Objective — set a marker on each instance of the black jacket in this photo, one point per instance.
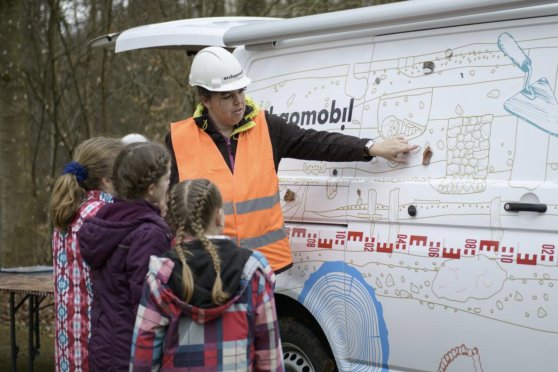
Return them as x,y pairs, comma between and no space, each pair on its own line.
233,260
288,141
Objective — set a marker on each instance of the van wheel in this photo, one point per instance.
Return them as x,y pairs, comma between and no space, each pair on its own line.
303,349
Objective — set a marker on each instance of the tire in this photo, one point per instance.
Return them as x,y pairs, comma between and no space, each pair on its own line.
304,350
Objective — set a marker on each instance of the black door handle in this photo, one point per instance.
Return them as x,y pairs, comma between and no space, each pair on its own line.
525,207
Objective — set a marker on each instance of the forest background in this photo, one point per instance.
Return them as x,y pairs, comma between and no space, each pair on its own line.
56,91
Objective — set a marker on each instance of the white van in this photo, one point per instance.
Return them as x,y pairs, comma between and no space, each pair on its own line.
448,262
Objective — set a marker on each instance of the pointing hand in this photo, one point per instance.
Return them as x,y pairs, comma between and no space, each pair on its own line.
392,148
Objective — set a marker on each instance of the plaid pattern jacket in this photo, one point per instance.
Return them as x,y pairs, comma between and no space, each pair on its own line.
241,335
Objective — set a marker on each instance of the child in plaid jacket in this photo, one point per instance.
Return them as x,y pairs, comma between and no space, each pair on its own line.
207,305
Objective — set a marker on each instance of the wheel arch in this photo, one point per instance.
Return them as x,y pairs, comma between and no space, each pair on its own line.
289,307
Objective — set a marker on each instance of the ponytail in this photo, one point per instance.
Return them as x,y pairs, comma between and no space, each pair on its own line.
93,161
67,196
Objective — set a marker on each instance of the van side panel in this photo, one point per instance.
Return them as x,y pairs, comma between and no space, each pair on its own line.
426,265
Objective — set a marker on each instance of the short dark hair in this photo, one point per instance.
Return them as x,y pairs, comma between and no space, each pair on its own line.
202,92
138,166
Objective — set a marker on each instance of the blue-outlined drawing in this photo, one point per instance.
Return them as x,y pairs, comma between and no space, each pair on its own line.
536,103
350,314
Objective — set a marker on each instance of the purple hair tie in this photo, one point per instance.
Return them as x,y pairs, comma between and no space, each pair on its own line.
77,170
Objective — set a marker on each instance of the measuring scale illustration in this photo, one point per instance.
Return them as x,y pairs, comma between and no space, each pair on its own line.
536,104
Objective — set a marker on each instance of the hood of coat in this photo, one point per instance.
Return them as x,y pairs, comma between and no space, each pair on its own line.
101,235
238,267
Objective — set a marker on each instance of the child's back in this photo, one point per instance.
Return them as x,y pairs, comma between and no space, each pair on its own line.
117,243
78,193
194,324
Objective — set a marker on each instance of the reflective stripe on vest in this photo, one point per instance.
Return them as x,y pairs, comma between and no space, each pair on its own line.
252,205
251,200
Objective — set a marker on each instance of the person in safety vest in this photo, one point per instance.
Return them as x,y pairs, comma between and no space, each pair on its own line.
238,146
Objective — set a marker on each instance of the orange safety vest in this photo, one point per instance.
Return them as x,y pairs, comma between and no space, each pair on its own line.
253,215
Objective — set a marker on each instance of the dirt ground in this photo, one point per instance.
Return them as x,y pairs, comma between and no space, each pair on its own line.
45,360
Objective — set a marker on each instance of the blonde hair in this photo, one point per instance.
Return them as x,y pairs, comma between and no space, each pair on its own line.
97,156
192,206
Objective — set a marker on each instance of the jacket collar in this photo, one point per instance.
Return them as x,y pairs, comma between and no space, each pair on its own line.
204,122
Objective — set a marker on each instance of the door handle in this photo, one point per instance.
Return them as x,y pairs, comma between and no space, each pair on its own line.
525,207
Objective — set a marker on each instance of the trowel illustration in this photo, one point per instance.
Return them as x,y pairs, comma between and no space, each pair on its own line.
536,105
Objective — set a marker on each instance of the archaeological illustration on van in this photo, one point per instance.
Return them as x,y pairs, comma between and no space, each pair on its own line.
431,237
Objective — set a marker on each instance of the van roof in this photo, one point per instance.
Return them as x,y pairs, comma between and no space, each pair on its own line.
391,18
411,15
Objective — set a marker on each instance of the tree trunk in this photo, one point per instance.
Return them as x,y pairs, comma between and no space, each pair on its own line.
18,235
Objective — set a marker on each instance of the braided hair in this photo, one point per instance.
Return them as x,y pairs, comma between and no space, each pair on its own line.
139,165
192,206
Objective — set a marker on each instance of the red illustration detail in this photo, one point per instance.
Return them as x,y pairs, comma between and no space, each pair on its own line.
451,253
418,240
524,259
325,243
489,245
401,246
385,247
355,236
299,232
460,351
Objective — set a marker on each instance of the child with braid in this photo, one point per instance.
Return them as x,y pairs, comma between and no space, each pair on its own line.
79,193
117,244
207,305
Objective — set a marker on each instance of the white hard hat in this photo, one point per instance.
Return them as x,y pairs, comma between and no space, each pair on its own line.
133,138
217,70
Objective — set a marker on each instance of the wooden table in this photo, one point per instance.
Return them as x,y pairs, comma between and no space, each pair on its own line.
35,284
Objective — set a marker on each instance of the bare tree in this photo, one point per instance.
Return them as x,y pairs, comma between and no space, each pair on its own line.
17,208
57,92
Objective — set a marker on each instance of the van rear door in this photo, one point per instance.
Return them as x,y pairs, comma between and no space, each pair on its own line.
190,34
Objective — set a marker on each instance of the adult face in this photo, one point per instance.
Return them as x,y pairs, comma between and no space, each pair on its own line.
226,108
